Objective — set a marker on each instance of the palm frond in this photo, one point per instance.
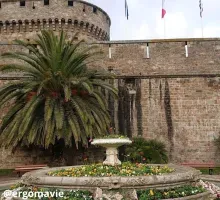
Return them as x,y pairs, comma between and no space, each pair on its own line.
60,99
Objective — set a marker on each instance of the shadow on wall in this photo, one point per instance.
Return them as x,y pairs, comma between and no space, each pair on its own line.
168,113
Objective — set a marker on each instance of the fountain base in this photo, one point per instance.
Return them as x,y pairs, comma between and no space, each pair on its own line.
112,157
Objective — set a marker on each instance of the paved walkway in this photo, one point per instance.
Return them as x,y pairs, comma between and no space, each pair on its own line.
8,181
212,178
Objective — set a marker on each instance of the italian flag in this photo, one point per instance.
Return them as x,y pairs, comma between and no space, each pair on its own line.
163,9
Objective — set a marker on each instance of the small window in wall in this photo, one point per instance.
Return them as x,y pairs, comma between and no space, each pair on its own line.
84,8
95,9
46,2
70,3
22,3
0,4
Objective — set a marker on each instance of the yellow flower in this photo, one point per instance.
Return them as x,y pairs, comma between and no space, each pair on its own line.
151,193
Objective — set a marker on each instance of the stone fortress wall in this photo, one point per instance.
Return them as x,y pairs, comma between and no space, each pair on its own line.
22,22
176,97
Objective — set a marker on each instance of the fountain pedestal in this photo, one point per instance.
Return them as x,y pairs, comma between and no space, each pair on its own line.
112,157
111,146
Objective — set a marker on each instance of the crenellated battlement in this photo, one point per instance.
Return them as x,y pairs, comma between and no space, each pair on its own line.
33,16
22,26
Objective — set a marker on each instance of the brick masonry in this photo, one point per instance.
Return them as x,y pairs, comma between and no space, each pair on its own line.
18,22
176,99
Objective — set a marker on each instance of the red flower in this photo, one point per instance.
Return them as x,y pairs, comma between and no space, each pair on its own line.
74,92
84,93
54,94
30,95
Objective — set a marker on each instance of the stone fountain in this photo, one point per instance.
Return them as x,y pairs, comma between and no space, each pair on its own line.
112,186
111,146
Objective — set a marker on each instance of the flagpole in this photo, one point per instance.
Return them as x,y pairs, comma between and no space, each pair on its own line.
201,11
164,27
202,27
163,17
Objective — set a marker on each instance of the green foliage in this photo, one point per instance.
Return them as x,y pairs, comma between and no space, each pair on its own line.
175,193
59,97
113,136
146,151
100,170
216,171
6,172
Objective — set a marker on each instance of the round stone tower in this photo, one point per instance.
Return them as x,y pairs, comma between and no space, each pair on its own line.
22,19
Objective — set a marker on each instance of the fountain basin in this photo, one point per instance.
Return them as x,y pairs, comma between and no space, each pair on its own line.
181,176
111,142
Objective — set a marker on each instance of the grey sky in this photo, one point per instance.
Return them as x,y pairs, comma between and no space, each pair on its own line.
182,19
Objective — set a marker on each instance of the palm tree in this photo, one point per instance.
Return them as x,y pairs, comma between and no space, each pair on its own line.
58,98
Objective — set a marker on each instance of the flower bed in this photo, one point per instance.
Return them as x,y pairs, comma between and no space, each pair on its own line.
68,194
150,194
100,170
177,192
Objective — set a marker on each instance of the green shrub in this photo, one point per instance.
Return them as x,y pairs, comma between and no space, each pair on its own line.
146,151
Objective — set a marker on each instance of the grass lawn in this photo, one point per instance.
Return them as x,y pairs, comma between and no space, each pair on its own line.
216,171
6,172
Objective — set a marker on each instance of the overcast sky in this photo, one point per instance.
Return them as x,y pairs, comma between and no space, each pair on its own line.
182,19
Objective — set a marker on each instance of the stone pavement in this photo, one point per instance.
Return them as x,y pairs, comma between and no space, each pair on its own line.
6,182
212,178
